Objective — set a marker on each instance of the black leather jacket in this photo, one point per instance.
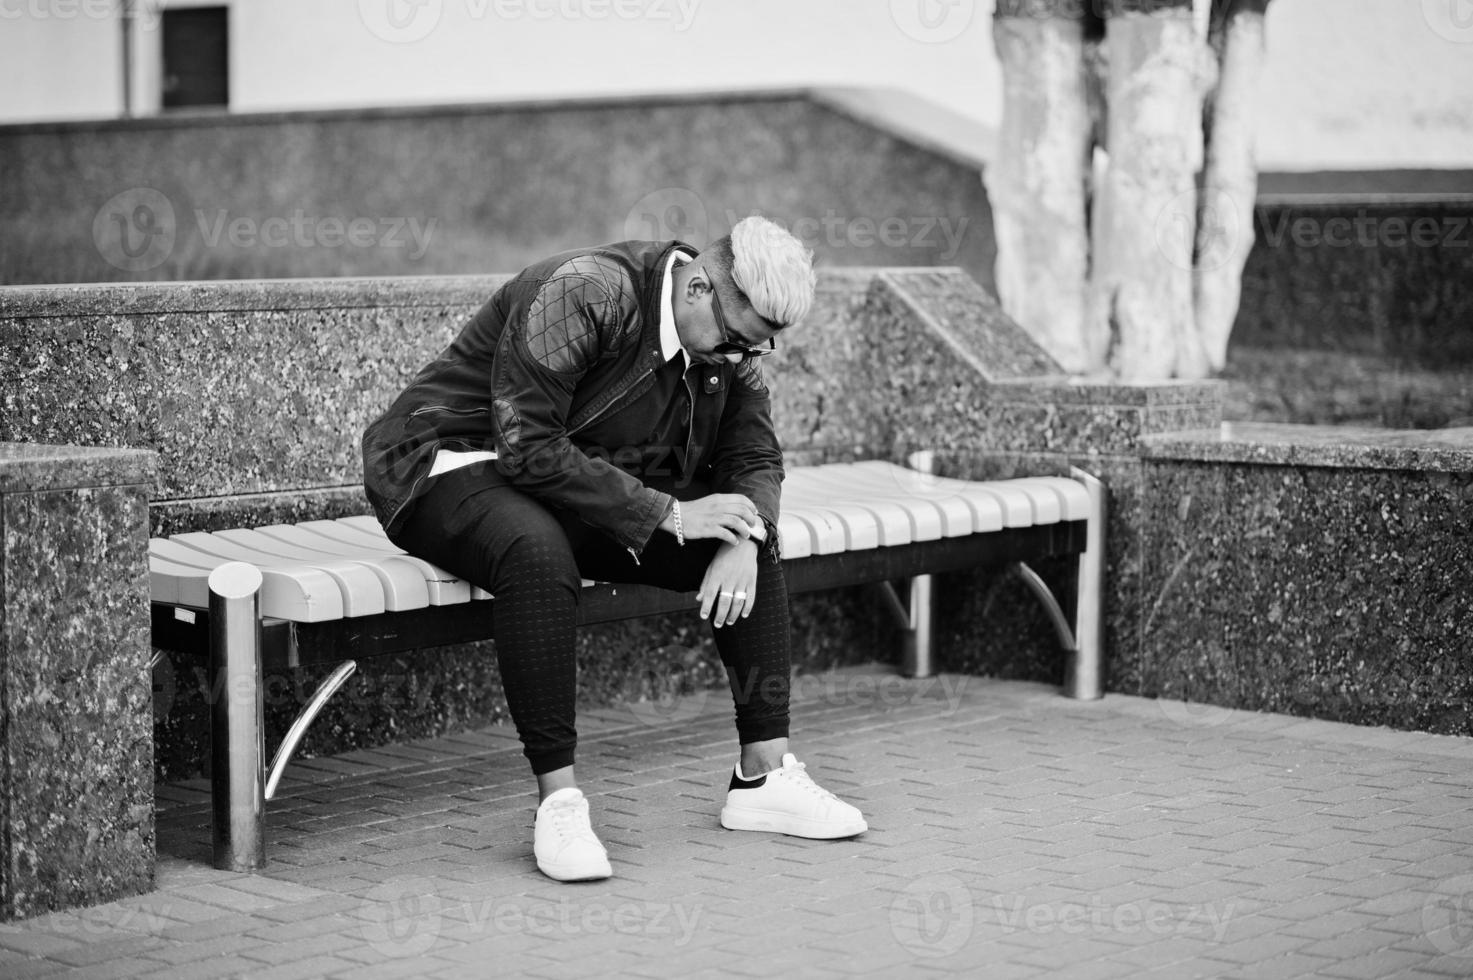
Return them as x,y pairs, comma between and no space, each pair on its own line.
562,351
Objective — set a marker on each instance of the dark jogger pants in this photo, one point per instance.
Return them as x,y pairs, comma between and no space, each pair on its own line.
532,558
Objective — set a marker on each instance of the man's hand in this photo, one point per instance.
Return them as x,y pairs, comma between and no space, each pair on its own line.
725,516
730,584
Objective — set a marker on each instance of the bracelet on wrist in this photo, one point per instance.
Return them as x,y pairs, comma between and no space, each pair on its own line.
679,527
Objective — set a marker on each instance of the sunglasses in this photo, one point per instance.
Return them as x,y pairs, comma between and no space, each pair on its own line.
729,346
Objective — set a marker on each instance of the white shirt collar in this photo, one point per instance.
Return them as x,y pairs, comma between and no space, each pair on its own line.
669,337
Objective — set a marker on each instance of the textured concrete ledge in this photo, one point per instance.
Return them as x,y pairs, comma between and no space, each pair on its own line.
1339,447
23,303
38,466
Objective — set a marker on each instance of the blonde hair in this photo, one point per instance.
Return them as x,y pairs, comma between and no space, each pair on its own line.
771,267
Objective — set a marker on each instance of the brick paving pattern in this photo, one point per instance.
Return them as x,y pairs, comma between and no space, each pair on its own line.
1014,833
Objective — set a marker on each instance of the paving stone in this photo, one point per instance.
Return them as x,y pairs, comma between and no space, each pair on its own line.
1258,847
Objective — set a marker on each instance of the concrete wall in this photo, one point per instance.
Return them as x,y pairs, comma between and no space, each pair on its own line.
470,190
1348,83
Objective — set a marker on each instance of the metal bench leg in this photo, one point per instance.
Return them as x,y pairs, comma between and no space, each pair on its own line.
237,718
1084,676
914,619
918,660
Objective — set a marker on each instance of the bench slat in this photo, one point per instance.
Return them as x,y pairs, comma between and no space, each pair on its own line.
1073,497
824,528
441,587
960,513
403,587
358,587
892,522
298,593
796,537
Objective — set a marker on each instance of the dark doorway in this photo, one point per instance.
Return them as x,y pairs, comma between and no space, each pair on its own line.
196,57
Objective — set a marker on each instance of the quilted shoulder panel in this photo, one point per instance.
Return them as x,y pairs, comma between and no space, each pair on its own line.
577,313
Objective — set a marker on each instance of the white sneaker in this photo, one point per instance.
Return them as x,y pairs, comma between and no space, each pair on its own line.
566,847
788,801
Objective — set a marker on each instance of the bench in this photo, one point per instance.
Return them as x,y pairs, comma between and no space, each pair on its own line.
329,591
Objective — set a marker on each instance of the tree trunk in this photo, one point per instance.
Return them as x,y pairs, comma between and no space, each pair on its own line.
1037,182
1141,296
1230,182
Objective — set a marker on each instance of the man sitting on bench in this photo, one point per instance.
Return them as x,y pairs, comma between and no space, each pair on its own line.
600,396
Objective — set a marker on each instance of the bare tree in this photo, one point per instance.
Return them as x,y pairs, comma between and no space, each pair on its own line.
1124,184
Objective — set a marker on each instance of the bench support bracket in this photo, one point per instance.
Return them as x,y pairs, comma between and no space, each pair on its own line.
298,731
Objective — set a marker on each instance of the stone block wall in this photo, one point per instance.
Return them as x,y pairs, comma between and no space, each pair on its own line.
76,746
1313,571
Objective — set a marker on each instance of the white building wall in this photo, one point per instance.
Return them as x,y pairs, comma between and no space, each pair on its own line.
1349,83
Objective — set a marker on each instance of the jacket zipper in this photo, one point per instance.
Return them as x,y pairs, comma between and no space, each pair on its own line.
414,487
612,402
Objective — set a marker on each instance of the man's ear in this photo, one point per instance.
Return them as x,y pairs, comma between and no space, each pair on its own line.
698,284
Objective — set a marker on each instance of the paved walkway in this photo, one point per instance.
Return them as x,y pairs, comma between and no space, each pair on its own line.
1013,834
